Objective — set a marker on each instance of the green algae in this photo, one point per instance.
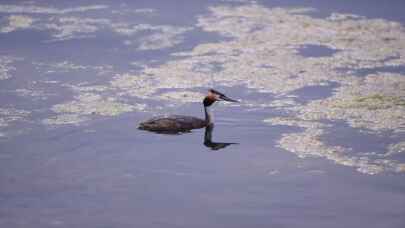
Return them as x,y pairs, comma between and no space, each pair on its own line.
88,103
9,115
371,102
16,22
378,101
395,149
62,119
8,118
181,96
308,143
6,67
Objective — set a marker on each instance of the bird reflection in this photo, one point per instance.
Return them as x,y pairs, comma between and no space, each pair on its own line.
208,139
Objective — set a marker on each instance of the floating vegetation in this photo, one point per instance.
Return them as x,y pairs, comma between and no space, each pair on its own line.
173,75
372,102
16,22
182,96
87,88
90,104
375,103
165,37
60,119
395,149
9,115
258,38
32,9
65,28
134,85
86,105
126,10
308,144
379,101
69,27
5,67
34,94
67,66
294,122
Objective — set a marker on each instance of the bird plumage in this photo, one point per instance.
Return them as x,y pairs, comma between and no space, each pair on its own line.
179,123
172,123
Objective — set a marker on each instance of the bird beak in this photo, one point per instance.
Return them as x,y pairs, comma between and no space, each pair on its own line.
225,98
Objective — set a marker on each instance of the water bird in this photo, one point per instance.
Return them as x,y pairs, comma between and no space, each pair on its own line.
177,123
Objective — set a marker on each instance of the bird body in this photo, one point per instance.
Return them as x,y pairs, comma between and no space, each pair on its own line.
172,123
179,123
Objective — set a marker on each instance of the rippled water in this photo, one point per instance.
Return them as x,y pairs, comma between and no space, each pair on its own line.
316,141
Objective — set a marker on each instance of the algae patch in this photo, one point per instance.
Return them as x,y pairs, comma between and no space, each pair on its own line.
16,22
308,143
394,149
374,103
9,115
371,102
87,104
182,96
379,101
6,67
68,66
60,119
262,52
72,26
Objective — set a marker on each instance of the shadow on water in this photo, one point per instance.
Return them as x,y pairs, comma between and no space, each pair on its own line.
208,139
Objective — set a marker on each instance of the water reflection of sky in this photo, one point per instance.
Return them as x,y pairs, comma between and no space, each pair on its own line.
320,127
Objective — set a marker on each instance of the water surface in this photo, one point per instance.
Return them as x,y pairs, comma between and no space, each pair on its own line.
315,145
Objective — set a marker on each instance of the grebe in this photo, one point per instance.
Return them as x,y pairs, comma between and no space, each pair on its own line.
177,123
208,139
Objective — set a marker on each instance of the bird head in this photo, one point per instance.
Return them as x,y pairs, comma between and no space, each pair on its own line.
214,96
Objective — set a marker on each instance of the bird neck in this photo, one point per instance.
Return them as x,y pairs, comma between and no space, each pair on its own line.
208,115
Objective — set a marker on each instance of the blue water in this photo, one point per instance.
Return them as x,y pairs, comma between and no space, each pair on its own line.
105,173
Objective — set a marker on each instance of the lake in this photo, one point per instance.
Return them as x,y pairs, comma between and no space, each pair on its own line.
317,139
